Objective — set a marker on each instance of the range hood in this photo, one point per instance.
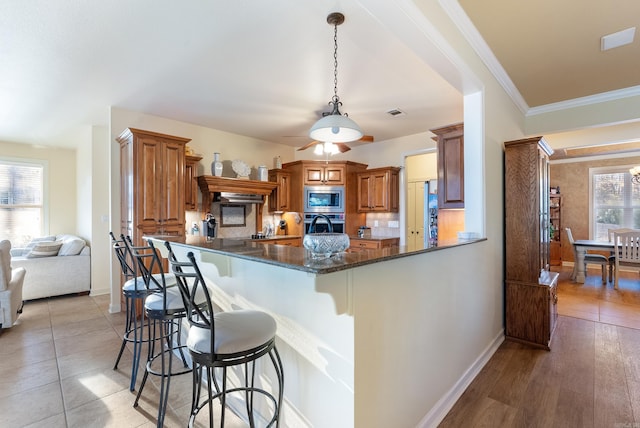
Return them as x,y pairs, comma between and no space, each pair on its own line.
238,198
233,190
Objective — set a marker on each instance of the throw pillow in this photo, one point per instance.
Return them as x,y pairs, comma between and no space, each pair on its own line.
45,249
71,247
34,241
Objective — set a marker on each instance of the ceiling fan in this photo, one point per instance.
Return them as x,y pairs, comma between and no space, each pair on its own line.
342,147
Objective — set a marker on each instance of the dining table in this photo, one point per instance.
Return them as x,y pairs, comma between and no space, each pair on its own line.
584,245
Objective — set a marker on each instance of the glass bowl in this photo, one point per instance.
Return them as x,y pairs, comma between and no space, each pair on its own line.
325,244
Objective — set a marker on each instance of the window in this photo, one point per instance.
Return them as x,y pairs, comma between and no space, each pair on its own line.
615,201
21,201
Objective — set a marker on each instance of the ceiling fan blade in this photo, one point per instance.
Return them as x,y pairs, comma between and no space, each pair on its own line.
306,146
367,138
342,147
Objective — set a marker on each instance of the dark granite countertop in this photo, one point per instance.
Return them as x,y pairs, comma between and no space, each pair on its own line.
298,258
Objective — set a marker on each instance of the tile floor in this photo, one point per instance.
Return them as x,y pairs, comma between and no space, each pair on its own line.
597,302
56,370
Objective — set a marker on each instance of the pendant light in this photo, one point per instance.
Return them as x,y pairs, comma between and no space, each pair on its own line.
335,127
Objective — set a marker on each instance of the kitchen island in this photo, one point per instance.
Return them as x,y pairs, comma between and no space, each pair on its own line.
358,333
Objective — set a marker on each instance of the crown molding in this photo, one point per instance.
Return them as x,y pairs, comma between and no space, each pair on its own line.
586,101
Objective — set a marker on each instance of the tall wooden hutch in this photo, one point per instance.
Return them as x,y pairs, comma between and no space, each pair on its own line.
152,189
530,288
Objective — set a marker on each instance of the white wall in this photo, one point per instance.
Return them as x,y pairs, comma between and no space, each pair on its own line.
101,251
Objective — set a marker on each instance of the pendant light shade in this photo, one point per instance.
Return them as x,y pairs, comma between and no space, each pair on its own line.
335,127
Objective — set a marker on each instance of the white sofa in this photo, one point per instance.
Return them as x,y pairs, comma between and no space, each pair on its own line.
55,265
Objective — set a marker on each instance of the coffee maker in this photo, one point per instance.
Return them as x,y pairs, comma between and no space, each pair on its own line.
209,226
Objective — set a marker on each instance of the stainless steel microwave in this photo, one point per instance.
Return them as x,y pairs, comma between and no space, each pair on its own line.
324,199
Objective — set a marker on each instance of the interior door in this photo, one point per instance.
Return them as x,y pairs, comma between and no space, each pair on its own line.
415,232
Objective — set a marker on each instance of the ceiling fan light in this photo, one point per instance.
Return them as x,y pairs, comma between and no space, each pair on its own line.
319,149
335,128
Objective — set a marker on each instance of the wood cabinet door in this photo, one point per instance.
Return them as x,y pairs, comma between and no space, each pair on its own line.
450,141
191,182
313,175
148,183
280,198
364,192
380,191
172,185
334,175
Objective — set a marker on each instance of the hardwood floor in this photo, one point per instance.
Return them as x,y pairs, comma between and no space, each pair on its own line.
590,378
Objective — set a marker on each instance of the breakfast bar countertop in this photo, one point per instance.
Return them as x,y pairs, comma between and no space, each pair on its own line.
298,258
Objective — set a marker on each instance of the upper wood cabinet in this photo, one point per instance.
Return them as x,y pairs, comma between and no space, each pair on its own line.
152,191
280,198
378,190
450,141
329,174
191,182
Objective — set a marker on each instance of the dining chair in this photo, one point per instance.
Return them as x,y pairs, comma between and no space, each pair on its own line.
612,255
626,252
598,259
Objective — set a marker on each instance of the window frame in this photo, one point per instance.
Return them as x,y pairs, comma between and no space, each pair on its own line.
44,164
613,169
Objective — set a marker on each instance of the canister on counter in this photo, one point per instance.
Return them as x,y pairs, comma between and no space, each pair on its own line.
263,173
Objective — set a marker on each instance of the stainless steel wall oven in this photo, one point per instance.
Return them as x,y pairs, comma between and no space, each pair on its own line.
337,221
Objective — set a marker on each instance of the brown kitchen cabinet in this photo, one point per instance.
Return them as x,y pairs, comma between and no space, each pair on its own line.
152,190
293,241
450,141
191,182
378,190
530,288
362,244
280,198
328,174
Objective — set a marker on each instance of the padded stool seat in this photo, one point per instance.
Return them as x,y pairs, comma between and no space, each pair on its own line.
236,331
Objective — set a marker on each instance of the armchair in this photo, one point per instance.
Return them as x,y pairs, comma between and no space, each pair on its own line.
10,287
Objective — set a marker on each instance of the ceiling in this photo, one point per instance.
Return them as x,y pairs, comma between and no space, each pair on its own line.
551,49
266,70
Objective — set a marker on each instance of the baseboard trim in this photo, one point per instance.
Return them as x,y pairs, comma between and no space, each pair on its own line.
445,404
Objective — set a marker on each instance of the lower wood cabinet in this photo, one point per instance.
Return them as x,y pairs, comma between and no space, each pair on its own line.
363,244
532,312
293,242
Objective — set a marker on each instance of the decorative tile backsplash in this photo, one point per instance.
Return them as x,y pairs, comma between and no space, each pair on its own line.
384,224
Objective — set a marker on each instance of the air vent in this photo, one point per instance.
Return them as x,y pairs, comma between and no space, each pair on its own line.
396,112
615,40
